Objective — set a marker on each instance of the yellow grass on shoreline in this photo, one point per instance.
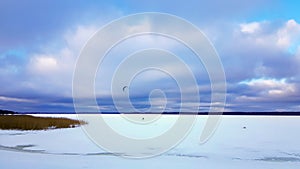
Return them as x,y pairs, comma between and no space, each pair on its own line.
28,122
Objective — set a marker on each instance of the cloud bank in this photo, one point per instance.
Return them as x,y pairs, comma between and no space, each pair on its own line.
261,56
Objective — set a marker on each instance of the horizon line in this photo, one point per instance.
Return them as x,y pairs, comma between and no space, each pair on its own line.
269,113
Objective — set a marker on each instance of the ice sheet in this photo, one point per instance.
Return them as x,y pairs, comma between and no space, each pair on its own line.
265,142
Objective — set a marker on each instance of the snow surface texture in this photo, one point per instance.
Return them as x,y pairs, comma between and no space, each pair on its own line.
239,142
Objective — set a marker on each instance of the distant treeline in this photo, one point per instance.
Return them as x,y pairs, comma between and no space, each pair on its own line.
294,113
7,112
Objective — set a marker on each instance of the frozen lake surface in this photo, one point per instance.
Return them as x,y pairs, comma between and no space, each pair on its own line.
268,142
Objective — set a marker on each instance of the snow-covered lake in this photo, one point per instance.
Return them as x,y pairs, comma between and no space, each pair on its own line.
267,142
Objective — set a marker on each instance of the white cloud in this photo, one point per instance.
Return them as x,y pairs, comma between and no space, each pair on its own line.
270,35
250,27
54,69
288,34
76,39
43,63
270,88
14,99
144,26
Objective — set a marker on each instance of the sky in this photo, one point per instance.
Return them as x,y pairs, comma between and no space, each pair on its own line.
258,43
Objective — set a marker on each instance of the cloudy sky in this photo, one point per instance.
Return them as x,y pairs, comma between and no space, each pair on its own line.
257,41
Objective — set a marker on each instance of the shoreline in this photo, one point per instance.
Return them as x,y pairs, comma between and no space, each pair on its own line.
29,122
